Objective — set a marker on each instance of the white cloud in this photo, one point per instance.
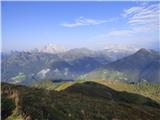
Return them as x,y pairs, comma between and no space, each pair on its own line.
142,27
132,11
81,21
141,19
143,15
130,32
120,33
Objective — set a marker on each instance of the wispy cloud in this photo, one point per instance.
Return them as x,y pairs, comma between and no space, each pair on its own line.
142,26
141,15
131,32
81,21
120,33
141,19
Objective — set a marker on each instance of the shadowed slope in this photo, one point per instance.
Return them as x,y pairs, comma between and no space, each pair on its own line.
143,65
88,100
93,89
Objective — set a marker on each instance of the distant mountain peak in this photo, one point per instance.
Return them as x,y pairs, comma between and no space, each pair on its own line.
121,48
144,51
52,48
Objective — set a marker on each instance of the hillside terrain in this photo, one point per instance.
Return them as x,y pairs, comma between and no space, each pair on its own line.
144,65
81,101
143,88
81,84
80,60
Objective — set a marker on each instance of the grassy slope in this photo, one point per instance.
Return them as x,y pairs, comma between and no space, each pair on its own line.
103,74
81,101
146,89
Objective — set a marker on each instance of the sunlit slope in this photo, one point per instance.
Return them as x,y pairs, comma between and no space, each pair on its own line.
143,88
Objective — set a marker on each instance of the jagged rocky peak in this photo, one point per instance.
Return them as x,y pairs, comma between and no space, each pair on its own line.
144,51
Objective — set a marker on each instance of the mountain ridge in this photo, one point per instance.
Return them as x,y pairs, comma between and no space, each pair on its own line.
134,68
73,103
25,67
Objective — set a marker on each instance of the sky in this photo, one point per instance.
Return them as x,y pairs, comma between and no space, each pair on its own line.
95,25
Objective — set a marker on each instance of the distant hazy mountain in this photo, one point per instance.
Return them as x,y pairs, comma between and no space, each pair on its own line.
144,65
76,53
115,52
142,62
121,48
25,67
50,48
112,52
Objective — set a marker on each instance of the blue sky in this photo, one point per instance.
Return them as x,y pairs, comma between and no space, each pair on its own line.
27,25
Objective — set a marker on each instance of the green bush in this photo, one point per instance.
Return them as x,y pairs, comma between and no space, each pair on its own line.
7,106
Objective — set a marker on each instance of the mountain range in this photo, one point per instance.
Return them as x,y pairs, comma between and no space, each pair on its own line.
125,64
144,65
81,84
